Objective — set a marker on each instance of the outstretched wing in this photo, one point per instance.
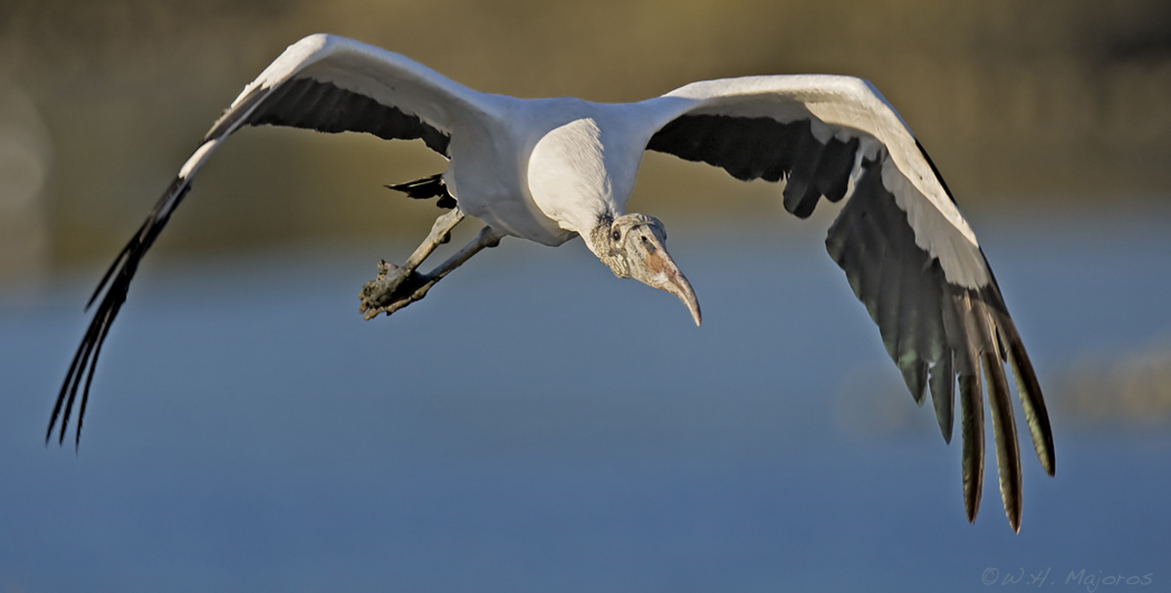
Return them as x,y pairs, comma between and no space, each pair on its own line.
323,83
907,251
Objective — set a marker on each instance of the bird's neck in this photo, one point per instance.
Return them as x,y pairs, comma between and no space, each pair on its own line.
597,239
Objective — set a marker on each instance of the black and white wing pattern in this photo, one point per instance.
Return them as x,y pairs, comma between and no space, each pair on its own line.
907,251
323,83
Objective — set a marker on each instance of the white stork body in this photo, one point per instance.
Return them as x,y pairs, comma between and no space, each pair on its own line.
548,170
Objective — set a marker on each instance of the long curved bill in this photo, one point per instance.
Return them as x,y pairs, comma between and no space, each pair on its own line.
665,275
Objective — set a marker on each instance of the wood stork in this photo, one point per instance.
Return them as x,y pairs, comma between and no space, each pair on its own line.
549,170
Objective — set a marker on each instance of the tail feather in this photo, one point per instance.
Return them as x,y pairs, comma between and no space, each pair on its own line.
427,188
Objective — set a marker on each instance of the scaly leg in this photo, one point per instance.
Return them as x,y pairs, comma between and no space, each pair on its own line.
398,286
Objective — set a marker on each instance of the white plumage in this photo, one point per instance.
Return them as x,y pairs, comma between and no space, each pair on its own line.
549,170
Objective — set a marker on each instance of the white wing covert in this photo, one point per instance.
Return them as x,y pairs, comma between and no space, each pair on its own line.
907,252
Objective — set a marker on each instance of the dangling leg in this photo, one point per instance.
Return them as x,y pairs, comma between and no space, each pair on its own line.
398,286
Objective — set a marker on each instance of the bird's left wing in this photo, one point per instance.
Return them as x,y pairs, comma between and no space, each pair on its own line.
322,82
908,253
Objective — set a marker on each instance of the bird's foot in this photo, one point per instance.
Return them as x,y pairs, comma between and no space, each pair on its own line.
398,286
394,288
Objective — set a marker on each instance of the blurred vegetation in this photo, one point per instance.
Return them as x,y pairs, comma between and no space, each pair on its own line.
1119,390
1129,388
1064,101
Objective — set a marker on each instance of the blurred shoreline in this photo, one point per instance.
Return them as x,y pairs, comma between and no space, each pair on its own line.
1056,104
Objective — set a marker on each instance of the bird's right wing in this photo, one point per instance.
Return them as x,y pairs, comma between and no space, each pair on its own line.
322,82
907,252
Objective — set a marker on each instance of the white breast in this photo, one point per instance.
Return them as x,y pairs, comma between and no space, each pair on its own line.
567,176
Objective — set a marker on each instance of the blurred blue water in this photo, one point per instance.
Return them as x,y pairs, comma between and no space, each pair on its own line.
537,425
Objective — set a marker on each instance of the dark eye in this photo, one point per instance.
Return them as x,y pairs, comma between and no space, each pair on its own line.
615,235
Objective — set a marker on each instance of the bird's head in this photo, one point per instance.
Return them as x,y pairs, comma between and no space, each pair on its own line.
635,246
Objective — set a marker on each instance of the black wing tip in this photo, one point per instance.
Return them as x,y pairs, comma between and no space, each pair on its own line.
82,367
915,376
130,247
972,429
116,282
972,501
1037,413
946,426
1013,513
1048,459
1008,457
942,382
1028,387
81,370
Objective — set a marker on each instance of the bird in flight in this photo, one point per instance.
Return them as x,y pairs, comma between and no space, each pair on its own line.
549,170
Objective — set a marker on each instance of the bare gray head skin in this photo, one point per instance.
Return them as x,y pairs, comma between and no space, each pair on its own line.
635,246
